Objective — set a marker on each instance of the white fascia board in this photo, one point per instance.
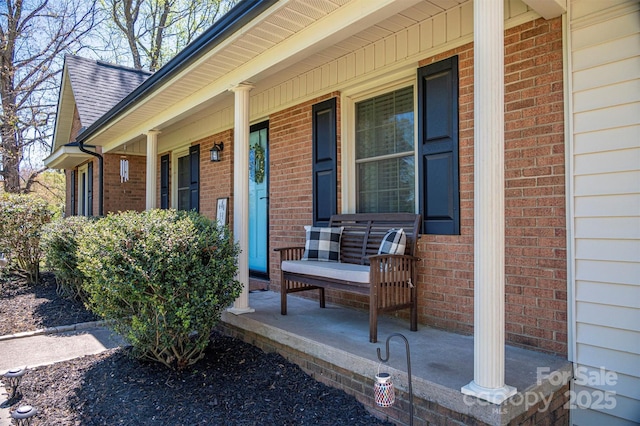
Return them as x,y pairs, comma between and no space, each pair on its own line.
66,105
66,157
350,19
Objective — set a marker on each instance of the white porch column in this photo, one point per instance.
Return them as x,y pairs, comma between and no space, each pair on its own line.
241,192
152,168
489,224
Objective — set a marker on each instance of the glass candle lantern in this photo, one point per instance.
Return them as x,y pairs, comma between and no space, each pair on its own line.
383,390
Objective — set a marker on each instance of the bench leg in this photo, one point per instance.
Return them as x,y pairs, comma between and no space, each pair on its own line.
283,294
321,295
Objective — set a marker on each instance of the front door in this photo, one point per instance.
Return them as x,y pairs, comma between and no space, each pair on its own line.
258,199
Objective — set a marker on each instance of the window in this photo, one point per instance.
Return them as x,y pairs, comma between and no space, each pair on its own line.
85,190
183,183
186,192
400,147
385,165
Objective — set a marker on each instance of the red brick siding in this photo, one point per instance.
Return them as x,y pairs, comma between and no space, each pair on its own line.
122,196
290,178
534,179
534,199
216,179
536,286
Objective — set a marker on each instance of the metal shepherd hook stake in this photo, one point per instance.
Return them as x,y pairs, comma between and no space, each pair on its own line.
386,358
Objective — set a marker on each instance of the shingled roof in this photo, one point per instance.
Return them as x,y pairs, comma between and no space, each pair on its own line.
98,86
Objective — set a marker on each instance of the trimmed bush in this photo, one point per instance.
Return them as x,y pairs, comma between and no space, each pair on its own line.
163,277
60,244
21,221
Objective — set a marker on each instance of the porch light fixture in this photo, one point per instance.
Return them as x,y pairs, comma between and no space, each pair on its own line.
24,414
215,151
12,379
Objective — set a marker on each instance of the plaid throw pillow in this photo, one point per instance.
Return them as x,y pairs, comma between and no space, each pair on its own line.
322,244
394,242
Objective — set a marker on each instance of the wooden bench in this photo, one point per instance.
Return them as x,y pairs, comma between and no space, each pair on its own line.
388,280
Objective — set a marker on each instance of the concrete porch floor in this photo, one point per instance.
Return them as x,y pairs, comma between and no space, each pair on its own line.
441,362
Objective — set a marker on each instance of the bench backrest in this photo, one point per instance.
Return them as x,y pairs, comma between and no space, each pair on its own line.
363,233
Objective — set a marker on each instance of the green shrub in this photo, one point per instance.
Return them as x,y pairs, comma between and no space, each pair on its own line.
163,277
21,221
60,244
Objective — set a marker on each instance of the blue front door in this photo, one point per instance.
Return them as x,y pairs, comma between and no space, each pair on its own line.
258,198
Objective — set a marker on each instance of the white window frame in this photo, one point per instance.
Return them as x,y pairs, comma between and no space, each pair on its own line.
348,101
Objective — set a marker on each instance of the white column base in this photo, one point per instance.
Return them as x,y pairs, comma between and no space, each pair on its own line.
493,395
240,311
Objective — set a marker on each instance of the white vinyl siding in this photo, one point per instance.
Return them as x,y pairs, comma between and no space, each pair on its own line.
604,198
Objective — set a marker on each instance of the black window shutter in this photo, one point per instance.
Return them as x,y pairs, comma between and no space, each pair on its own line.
324,162
73,185
90,189
194,175
164,181
439,183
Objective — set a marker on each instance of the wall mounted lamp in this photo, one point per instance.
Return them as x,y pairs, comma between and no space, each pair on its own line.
215,151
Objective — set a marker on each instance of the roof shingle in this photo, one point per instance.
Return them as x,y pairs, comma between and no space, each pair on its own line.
98,86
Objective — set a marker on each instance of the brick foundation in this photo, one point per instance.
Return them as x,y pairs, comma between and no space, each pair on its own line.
516,411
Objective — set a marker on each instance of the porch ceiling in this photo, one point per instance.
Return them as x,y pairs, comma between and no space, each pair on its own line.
313,31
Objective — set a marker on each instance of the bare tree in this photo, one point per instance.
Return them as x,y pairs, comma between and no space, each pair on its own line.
33,36
156,30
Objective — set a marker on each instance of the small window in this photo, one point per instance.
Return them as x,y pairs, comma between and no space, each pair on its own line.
186,175
183,183
385,164
85,190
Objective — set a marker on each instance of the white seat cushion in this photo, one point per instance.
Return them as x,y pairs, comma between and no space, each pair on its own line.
332,270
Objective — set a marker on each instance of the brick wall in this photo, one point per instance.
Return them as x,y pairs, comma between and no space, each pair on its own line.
425,411
216,179
290,178
534,198
122,196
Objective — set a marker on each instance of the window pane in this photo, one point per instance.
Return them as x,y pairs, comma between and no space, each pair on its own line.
384,132
183,183
386,185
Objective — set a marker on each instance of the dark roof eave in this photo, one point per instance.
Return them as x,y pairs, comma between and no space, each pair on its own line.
236,18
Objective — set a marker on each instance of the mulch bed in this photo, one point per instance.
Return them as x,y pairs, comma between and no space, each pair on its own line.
26,307
235,384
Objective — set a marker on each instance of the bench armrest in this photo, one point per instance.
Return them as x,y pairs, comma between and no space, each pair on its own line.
290,253
380,257
392,268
